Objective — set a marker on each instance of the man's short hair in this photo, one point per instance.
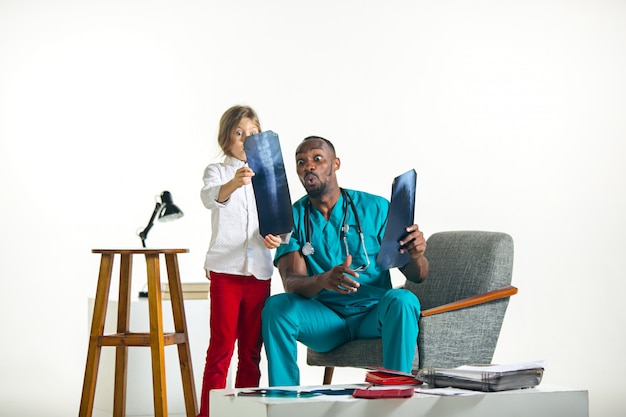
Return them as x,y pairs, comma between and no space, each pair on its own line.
329,143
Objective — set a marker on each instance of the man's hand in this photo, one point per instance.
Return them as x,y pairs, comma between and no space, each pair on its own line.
414,242
339,278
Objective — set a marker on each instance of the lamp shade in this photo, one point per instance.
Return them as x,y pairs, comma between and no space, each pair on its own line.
165,211
169,210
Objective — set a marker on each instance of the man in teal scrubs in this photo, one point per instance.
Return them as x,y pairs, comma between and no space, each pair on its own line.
334,291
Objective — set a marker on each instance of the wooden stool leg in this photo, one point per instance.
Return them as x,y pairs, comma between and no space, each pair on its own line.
180,326
121,351
97,330
157,342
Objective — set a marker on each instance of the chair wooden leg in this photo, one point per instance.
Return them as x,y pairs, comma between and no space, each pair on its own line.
328,374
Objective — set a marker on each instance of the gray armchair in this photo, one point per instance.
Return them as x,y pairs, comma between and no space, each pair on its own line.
463,303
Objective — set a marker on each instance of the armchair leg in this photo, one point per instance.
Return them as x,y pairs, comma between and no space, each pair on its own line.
328,374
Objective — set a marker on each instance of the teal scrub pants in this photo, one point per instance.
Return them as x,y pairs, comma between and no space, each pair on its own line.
288,318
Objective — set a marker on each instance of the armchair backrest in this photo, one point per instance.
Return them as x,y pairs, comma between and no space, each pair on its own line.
463,264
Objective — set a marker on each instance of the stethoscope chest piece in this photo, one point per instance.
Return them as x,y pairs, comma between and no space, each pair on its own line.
308,249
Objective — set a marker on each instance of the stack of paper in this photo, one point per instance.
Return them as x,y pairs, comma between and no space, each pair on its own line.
485,377
191,290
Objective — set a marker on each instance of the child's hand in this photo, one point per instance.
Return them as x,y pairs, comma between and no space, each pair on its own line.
271,242
243,176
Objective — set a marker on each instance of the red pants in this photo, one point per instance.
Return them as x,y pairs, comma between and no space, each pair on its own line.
236,304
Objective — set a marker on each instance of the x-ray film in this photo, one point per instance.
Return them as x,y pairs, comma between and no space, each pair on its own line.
270,183
401,215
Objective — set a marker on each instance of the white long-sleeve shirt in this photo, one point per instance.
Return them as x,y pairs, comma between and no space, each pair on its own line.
236,245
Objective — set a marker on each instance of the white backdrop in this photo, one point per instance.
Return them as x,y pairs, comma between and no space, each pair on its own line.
511,112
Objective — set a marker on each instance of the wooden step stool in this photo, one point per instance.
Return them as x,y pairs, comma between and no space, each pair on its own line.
156,339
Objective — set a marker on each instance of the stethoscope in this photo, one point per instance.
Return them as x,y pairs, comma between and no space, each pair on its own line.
308,249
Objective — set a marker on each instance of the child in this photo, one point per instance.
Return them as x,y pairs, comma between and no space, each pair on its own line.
238,262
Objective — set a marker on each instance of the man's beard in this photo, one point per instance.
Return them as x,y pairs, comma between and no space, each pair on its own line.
317,191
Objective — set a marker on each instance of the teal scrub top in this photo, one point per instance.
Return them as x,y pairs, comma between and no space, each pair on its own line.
330,249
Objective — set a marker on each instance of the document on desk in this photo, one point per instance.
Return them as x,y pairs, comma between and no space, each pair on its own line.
320,393
447,392
520,366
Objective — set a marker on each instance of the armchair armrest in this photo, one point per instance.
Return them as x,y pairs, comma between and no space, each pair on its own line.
503,292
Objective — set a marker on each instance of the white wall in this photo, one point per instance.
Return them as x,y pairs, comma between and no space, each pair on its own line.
512,113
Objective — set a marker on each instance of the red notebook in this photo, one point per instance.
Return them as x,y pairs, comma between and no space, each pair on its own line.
384,393
381,376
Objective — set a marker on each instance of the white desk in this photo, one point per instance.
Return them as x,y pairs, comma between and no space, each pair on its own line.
139,400
541,401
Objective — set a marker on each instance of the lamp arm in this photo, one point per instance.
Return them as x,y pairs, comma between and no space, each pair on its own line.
144,233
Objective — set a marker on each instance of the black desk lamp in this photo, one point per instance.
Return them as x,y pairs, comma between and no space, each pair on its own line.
166,211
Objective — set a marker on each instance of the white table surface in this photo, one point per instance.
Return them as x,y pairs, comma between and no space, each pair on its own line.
543,400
